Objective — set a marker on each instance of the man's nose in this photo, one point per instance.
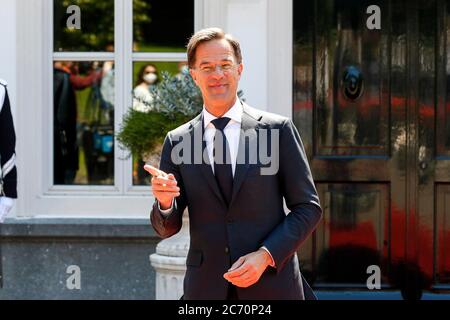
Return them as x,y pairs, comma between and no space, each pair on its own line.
218,73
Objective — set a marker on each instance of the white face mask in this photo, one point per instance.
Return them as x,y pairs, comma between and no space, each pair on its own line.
150,78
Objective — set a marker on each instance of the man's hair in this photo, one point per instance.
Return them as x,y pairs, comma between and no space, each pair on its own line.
209,34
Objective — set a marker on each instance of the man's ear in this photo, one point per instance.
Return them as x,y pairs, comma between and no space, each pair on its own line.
240,69
193,75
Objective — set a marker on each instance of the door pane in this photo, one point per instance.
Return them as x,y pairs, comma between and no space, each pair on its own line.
446,118
96,25
352,113
443,117
443,234
354,232
303,71
83,126
435,164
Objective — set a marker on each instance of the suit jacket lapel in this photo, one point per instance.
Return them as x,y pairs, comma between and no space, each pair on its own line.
249,130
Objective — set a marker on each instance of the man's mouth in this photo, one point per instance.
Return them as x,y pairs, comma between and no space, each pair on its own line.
217,85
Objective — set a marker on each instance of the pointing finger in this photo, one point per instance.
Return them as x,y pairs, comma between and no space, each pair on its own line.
164,181
154,171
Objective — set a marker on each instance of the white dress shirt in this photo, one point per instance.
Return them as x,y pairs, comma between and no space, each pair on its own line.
232,132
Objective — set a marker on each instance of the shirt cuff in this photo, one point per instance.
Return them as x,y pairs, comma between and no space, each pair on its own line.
272,262
167,211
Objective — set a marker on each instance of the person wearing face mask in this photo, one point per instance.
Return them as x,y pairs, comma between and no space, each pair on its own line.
142,97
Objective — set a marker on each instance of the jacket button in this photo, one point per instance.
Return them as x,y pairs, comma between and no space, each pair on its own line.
227,250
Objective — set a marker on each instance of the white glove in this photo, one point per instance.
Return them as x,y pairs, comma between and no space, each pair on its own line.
6,205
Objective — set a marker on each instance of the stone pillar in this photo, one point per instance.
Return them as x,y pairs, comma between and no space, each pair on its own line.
169,262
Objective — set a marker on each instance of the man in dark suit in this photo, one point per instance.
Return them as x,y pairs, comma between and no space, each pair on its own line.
243,245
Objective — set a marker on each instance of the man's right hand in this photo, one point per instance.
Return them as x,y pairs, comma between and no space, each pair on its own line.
164,186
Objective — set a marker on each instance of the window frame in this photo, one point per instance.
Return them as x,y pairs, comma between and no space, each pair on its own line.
123,58
52,200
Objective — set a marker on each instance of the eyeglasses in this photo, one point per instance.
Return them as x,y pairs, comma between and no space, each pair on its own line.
209,69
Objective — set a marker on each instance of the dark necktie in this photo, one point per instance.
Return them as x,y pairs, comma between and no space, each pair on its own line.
222,159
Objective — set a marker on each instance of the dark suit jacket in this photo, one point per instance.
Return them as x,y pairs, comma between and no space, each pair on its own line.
220,234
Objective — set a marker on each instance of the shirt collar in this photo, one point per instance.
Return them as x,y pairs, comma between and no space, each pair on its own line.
235,113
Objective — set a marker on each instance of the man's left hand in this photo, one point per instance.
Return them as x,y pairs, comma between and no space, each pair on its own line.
248,269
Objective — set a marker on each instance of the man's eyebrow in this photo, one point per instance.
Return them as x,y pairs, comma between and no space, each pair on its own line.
209,62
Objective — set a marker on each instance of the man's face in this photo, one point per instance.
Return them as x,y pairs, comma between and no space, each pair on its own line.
217,73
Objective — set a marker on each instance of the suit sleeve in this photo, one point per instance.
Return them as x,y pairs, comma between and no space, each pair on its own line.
301,198
167,225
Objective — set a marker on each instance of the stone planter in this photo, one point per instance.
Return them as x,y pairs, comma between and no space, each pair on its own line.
169,262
